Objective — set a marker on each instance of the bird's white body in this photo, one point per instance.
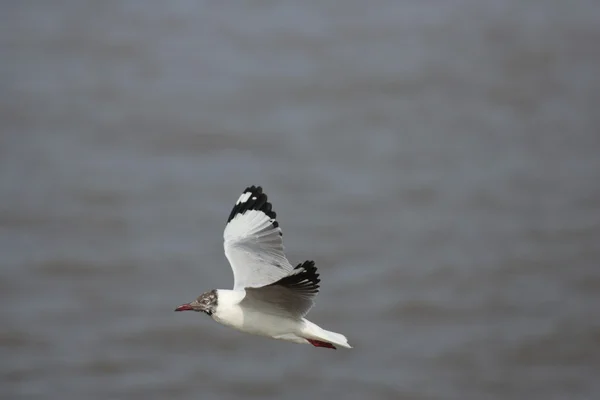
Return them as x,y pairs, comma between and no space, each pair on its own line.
270,297
231,313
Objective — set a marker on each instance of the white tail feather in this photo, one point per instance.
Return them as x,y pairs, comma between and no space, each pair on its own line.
313,331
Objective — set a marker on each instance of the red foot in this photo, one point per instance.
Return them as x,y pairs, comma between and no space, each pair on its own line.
318,343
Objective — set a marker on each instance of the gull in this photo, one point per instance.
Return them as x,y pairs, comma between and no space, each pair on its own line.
269,297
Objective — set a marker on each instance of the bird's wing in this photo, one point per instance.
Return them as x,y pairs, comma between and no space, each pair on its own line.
291,296
253,242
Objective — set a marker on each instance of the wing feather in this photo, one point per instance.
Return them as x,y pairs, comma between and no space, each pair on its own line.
291,296
253,241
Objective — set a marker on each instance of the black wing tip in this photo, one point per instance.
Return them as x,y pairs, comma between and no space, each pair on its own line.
253,198
308,265
305,278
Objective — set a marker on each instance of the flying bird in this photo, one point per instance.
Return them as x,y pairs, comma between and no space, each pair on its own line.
269,297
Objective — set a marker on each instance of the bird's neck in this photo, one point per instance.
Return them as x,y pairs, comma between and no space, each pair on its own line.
230,297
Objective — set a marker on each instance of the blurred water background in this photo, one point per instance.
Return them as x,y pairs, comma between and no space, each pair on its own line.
440,160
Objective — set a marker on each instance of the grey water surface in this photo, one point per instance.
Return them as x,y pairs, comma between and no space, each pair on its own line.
439,160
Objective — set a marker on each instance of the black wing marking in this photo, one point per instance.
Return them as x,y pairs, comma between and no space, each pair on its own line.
304,279
253,198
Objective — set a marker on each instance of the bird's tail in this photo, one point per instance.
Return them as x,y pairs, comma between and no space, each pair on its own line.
320,337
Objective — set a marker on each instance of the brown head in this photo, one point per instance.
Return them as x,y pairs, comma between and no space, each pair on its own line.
206,302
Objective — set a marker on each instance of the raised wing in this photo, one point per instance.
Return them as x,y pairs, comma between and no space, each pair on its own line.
253,242
291,296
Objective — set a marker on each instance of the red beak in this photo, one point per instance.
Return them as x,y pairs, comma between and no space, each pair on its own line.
184,307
